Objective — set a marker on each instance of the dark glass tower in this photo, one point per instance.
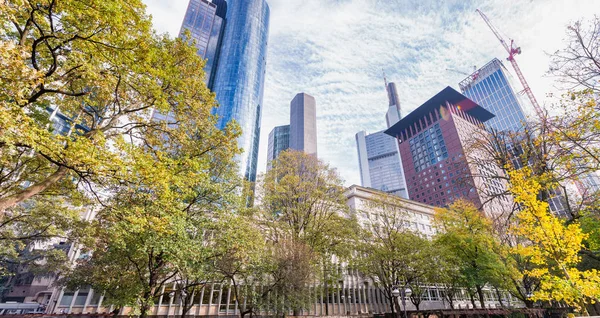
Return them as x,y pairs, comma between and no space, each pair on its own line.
232,35
205,22
279,140
239,80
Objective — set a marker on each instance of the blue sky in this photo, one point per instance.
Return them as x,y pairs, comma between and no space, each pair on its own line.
335,50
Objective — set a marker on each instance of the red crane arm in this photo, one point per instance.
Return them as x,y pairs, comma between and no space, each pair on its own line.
493,28
511,57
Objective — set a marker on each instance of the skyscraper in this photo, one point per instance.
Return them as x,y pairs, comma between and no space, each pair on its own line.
379,163
433,140
205,22
490,87
236,52
378,154
240,75
300,134
303,124
279,140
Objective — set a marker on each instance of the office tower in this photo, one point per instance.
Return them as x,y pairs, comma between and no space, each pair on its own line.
279,140
490,87
300,134
433,140
205,22
236,73
378,154
303,124
380,164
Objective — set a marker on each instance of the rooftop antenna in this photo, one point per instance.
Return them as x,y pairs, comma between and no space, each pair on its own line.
385,79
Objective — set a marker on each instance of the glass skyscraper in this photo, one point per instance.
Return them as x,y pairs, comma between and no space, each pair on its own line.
279,140
490,87
380,164
378,154
205,22
300,134
236,52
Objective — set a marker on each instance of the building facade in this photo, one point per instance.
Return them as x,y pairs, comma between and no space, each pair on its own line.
240,74
303,124
379,163
490,87
379,159
279,140
433,141
205,22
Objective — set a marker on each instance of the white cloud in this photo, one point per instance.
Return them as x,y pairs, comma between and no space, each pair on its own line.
335,50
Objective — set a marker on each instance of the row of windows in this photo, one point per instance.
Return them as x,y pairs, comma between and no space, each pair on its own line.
428,148
495,94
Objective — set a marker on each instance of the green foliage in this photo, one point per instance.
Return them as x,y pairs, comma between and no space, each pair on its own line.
304,215
468,234
391,253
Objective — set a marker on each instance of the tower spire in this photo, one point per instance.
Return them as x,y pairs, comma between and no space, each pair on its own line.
385,80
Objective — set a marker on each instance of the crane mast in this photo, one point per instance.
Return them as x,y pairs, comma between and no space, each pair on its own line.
512,51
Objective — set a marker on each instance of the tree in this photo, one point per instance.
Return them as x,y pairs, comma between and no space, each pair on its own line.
391,252
303,207
468,233
578,65
30,236
554,245
447,273
137,137
247,262
99,67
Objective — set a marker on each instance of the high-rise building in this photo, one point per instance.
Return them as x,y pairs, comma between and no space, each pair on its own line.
379,163
205,22
232,35
300,134
490,87
279,140
433,140
378,154
240,75
303,124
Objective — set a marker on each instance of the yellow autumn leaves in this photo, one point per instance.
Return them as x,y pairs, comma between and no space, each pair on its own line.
553,244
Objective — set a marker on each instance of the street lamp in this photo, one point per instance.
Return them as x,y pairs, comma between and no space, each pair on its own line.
403,292
395,295
406,292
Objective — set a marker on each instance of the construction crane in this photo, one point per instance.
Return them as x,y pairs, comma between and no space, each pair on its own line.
474,75
512,51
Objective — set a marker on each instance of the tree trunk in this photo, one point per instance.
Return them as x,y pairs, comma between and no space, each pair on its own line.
144,310
10,201
480,294
472,297
528,303
326,290
499,297
186,307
